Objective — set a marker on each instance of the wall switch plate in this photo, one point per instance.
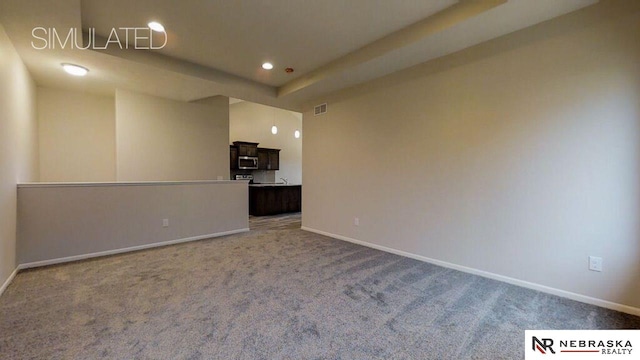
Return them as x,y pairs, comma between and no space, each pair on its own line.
165,222
356,221
595,263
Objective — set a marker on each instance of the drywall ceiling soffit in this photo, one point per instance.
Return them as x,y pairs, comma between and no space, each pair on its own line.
216,47
237,36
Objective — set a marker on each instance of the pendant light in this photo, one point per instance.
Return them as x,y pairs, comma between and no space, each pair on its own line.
274,128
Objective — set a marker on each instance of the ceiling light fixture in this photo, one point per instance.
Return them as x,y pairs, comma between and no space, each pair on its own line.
75,70
156,26
274,128
296,134
267,66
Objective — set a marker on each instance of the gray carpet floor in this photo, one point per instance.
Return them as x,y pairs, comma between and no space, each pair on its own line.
289,221
275,294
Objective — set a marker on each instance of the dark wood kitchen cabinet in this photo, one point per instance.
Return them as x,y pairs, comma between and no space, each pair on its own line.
263,159
275,199
274,159
268,159
246,148
233,157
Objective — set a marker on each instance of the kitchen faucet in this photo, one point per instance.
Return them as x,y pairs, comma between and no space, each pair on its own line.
285,181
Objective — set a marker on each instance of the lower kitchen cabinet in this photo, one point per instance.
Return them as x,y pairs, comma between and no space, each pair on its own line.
276,199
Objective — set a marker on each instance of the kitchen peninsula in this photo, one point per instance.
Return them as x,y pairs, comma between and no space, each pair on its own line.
274,198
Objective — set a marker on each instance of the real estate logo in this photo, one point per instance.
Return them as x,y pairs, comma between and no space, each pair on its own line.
581,344
139,38
542,345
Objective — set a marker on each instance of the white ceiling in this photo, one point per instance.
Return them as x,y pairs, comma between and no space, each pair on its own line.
217,47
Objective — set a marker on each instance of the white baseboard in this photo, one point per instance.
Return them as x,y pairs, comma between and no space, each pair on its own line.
529,285
124,250
9,280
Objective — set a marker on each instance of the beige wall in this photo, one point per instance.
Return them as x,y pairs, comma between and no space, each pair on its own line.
77,136
18,145
66,222
519,157
252,122
161,139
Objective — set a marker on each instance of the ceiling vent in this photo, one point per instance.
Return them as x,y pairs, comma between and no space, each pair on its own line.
320,109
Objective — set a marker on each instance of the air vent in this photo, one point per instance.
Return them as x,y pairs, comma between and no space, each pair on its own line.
320,109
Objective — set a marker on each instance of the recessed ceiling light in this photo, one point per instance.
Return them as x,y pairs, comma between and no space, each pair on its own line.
267,66
296,134
156,26
274,129
75,70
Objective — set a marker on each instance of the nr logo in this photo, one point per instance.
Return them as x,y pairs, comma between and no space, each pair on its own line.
543,345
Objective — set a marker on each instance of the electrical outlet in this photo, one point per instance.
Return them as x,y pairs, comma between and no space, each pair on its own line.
356,221
219,177
165,222
595,263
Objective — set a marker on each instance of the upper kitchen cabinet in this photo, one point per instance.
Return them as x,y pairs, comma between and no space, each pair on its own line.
246,148
268,159
263,159
274,159
233,157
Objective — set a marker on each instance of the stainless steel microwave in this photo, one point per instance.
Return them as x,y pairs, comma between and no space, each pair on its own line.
247,162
